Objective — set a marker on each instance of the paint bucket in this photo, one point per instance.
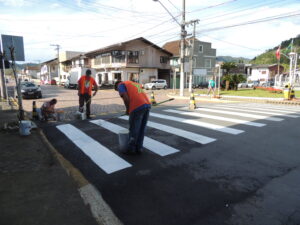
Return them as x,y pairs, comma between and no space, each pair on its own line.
25,127
123,139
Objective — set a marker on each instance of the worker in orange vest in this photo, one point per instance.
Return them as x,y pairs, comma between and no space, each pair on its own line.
85,85
137,107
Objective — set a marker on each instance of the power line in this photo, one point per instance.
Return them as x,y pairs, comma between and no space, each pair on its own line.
251,22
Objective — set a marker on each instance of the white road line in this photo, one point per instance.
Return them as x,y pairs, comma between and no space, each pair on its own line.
286,107
238,114
99,154
149,143
179,132
256,107
262,111
198,123
195,114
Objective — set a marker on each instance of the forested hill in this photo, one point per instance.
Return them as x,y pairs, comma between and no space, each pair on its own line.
269,57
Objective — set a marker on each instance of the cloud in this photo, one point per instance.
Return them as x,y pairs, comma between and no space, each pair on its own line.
96,24
14,3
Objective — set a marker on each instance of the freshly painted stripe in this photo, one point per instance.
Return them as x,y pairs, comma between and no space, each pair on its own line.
256,107
99,154
238,114
195,114
286,107
179,132
261,111
149,143
198,123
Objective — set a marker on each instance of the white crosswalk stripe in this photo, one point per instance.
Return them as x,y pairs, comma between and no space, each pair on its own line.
198,123
261,111
238,114
99,154
179,132
149,143
195,114
263,108
295,109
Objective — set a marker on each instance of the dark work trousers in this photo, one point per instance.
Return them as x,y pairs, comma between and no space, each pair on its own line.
85,98
137,125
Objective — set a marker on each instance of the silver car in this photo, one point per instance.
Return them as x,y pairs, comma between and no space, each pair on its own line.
156,84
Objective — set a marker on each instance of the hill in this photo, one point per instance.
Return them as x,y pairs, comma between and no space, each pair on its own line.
269,56
232,59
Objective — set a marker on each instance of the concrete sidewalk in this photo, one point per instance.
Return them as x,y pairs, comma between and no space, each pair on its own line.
35,188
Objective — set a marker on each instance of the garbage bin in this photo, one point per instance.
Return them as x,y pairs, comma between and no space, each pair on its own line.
286,93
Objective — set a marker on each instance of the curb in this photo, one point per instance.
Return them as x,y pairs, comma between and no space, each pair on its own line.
90,195
225,99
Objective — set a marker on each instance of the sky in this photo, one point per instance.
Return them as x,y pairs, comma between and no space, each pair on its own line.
239,28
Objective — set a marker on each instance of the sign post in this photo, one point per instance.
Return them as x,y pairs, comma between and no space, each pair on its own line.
13,50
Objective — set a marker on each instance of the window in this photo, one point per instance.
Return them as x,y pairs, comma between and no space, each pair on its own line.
98,60
142,52
201,48
133,57
118,56
164,59
105,58
207,63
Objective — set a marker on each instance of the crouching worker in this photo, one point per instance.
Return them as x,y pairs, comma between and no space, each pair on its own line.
48,110
137,107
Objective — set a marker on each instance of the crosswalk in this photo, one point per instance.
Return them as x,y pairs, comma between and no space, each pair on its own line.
180,123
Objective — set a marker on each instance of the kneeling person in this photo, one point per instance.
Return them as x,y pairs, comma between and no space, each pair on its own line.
48,110
137,107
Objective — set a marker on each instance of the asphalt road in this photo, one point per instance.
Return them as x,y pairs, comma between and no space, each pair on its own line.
233,164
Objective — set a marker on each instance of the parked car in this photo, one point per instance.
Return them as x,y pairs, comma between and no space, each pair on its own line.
156,84
29,90
201,85
242,85
268,84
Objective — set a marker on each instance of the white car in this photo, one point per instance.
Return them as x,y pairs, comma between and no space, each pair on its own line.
156,84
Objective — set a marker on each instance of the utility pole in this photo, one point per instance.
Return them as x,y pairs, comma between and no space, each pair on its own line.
182,49
194,22
3,88
58,68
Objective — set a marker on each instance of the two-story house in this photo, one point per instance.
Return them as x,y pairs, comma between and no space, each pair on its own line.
137,59
49,71
204,60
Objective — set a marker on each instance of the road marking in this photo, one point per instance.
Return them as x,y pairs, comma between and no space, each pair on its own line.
99,154
257,107
195,114
238,114
149,143
198,123
179,132
286,107
254,111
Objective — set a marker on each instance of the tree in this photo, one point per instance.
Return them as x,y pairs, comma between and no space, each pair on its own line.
227,66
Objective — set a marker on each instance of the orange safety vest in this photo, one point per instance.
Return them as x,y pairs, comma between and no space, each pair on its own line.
81,82
136,94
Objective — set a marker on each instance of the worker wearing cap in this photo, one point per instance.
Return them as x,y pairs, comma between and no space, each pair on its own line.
85,85
137,107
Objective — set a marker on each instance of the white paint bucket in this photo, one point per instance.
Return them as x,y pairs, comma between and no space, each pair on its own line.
123,139
25,127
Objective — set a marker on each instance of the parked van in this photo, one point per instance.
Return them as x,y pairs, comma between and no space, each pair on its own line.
75,74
